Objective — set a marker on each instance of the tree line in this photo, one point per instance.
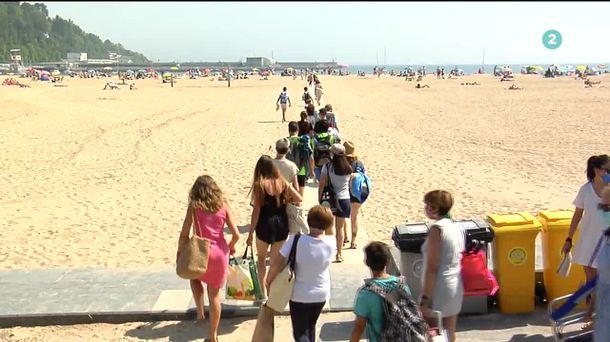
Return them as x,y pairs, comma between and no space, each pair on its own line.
28,27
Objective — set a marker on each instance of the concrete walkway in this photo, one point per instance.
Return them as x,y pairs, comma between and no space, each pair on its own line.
71,296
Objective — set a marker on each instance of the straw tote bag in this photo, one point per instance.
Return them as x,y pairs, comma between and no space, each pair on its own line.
280,290
192,263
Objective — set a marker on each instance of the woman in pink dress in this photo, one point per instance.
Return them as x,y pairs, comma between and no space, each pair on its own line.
211,212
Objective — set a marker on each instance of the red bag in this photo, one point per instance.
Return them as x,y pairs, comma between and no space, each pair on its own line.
478,279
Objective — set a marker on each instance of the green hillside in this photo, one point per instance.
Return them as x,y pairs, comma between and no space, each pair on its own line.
28,27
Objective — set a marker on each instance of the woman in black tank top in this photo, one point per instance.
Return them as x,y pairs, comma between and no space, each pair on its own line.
270,194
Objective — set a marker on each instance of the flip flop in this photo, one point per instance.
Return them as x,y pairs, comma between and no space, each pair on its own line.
588,326
338,259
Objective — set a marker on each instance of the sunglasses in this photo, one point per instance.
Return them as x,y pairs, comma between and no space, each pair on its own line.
604,207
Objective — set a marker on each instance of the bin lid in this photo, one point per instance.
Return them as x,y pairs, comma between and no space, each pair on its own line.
517,221
411,229
474,224
556,215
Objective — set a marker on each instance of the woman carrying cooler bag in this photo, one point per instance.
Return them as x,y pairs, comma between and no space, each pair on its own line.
311,289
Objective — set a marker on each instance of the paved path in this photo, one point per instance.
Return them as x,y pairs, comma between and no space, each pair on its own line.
70,296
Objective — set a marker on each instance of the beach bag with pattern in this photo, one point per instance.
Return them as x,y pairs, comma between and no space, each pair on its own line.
402,320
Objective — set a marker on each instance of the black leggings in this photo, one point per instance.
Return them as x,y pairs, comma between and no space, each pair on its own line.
304,317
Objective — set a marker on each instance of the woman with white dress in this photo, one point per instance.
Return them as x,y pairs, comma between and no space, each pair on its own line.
587,219
442,286
602,290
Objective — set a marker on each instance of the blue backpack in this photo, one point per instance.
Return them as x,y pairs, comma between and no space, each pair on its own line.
300,150
360,188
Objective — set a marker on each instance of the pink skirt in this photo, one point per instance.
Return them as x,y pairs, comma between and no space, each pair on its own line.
218,264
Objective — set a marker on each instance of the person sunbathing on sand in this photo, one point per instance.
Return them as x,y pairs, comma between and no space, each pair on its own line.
132,86
112,85
514,87
419,86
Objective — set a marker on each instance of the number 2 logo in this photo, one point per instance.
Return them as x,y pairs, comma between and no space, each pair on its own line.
551,39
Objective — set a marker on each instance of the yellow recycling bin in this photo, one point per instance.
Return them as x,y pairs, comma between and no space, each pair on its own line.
514,259
555,227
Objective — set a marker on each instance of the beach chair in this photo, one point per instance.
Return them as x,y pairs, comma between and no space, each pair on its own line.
562,313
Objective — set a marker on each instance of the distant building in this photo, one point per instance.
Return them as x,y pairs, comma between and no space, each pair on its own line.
102,61
259,61
125,59
76,56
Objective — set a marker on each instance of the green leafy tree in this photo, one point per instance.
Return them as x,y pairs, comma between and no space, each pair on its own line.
41,38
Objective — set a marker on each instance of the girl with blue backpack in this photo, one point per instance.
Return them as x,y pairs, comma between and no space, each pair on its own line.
360,188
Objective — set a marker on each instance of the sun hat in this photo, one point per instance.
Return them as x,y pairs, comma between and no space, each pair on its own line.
350,149
337,149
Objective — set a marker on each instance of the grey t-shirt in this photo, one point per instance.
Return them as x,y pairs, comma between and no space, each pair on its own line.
339,183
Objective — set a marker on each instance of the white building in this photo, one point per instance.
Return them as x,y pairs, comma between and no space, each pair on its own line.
77,56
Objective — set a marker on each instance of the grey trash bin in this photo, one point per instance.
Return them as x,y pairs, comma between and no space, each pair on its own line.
409,238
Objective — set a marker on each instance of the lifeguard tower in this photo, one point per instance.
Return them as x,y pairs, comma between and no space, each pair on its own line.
15,60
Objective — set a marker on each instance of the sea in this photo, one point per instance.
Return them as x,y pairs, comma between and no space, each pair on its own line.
468,68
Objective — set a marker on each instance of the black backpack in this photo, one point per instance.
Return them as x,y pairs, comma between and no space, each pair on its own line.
402,320
322,143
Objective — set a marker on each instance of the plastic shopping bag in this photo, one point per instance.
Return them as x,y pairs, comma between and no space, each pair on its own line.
566,263
239,281
253,273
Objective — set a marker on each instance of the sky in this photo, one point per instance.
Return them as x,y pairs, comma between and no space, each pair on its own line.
356,33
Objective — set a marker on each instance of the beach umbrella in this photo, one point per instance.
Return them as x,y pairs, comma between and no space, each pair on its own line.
44,72
174,68
56,73
255,69
342,65
581,68
107,68
167,74
602,66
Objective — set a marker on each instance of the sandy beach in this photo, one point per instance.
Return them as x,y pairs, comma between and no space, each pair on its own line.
94,178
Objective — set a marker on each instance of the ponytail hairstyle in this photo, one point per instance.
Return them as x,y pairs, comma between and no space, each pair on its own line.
595,162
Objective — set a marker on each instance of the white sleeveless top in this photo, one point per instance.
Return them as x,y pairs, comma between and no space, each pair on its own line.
448,289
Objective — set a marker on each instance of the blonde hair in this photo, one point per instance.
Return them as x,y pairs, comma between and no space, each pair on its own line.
206,195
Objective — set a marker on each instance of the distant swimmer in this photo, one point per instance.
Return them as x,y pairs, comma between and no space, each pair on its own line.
470,83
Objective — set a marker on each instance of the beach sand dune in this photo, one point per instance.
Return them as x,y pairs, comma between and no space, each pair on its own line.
94,178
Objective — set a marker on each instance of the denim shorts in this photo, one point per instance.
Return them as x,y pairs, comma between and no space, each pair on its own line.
344,208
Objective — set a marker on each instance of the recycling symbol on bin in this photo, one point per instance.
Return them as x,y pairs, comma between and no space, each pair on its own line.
418,267
517,256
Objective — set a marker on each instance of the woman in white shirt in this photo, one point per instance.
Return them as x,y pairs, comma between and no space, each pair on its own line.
589,221
338,173
312,282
